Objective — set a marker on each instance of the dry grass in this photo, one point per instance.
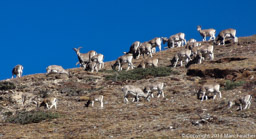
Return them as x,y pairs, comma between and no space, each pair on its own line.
179,113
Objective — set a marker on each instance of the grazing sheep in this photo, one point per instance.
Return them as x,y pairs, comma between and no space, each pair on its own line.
99,60
17,71
196,60
156,42
136,92
183,54
84,58
56,69
209,88
95,98
245,101
134,49
207,50
92,66
49,103
122,60
179,37
145,48
225,34
149,62
158,86
206,33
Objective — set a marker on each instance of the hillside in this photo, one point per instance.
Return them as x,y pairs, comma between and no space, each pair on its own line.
179,113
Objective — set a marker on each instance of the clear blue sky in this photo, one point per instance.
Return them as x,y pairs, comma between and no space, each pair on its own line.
38,33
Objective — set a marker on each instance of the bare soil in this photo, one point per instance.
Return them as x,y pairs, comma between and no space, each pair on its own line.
179,114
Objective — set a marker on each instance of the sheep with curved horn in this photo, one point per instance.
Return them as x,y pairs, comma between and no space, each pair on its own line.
84,58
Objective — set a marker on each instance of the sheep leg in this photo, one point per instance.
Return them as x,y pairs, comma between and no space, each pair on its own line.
101,104
203,96
137,97
220,94
92,103
204,39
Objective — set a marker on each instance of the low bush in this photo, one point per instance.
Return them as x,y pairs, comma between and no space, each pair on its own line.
139,73
5,85
229,85
31,117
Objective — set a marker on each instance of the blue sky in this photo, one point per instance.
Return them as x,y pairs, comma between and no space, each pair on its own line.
38,33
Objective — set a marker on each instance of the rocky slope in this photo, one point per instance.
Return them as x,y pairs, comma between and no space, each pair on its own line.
180,113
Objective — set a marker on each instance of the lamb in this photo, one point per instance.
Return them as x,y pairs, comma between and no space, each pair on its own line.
149,62
49,103
130,90
245,101
156,42
207,33
84,58
134,49
56,69
99,60
209,87
122,60
17,71
226,33
175,38
183,54
95,98
145,48
158,86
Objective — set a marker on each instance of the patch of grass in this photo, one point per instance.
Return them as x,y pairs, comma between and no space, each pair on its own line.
31,117
139,73
5,85
229,85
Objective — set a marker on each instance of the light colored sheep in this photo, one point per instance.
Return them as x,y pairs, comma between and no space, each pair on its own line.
17,71
156,42
179,37
149,62
183,54
99,60
145,48
209,88
56,69
134,91
93,99
122,60
225,34
206,50
49,102
84,58
196,60
157,86
245,101
134,49
207,33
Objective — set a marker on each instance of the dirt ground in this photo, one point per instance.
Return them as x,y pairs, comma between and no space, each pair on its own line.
179,115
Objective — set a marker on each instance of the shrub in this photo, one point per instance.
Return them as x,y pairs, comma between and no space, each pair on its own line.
139,73
7,85
31,117
229,85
